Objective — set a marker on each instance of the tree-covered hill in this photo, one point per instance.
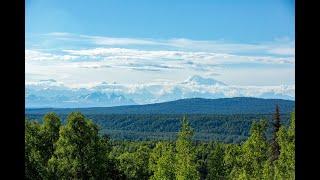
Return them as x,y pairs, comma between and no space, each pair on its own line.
226,120
226,128
237,105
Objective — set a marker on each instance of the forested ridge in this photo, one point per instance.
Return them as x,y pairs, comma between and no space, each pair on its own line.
231,128
235,105
76,149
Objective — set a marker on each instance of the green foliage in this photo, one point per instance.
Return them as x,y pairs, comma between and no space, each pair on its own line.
216,164
252,155
232,159
285,165
254,158
203,151
80,152
186,167
50,134
135,165
255,150
274,143
162,162
231,128
34,162
76,150
268,170
40,140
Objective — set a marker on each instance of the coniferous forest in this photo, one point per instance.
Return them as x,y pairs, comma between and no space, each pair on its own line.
76,149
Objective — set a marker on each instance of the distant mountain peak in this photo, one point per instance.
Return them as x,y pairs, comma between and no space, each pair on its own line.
105,99
196,79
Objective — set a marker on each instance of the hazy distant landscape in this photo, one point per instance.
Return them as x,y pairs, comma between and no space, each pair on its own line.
49,93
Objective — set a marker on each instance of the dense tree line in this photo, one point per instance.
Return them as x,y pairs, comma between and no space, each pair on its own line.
233,128
76,150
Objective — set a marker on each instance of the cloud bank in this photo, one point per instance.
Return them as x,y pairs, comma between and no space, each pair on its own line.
56,94
81,69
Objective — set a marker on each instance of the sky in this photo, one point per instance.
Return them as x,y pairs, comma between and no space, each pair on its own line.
80,43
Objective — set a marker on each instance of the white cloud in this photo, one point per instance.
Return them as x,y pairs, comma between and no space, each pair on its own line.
162,90
283,51
137,60
33,55
175,58
101,40
280,46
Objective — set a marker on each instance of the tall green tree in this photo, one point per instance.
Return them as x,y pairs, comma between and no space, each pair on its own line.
253,155
50,134
39,145
34,162
186,167
80,152
162,162
285,165
274,143
256,150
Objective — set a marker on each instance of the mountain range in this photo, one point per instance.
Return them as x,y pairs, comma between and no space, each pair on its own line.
50,93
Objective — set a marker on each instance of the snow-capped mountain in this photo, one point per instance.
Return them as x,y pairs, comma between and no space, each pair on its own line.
196,79
38,95
50,93
103,99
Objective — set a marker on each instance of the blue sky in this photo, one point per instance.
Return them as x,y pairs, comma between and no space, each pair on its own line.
244,21
137,42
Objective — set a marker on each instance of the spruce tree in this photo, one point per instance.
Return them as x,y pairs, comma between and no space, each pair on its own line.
285,164
186,167
250,160
276,127
255,150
